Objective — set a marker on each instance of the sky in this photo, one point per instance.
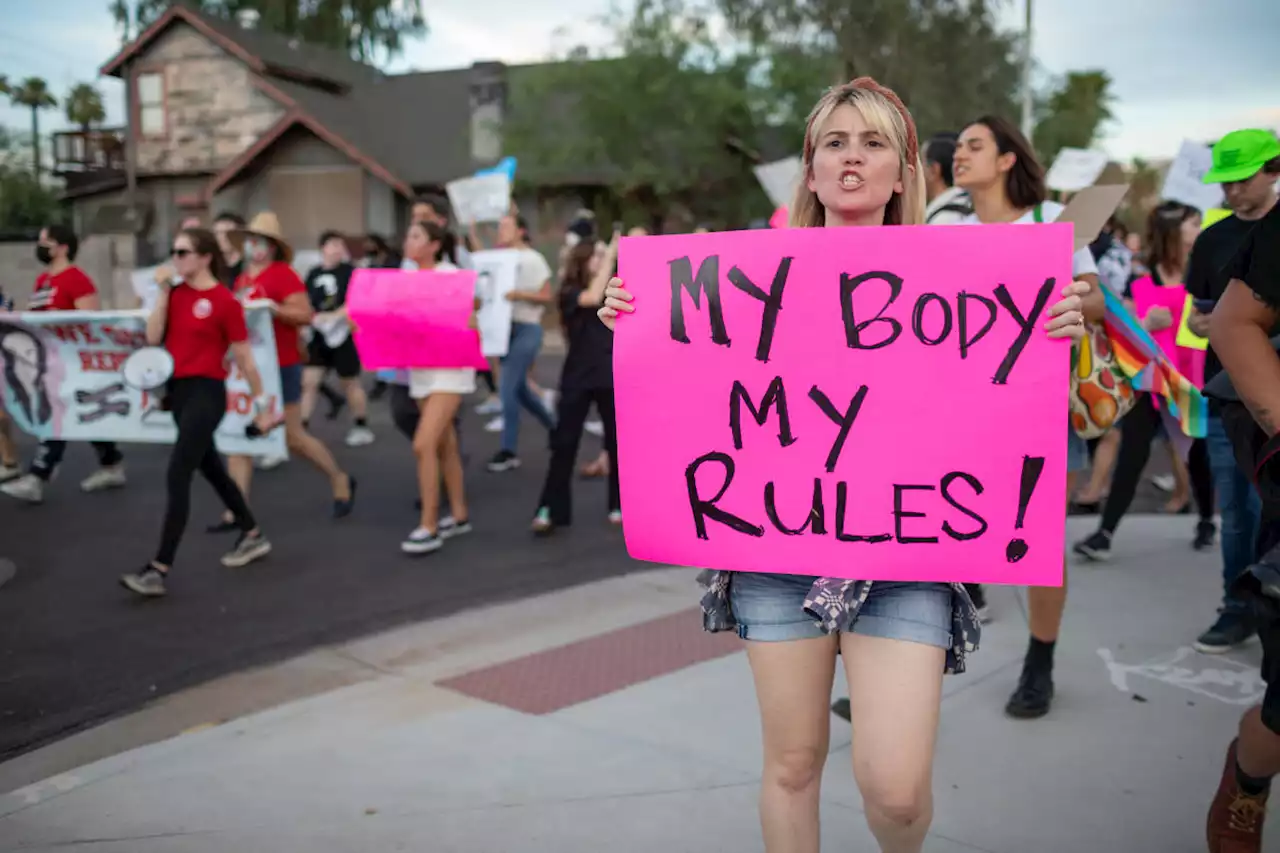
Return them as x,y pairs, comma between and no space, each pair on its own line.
1159,55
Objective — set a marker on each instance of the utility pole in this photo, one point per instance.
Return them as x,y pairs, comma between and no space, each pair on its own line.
1028,121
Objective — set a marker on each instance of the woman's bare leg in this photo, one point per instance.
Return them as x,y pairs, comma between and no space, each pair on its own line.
1104,460
451,472
793,686
240,468
313,450
311,379
895,694
434,424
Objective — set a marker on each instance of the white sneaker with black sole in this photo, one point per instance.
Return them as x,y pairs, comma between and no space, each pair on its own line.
421,541
504,460
450,527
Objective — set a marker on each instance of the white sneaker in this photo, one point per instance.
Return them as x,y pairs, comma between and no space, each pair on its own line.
104,478
491,406
549,400
615,517
28,487
494,425
359,436
267,463
421,541
9,472
594,427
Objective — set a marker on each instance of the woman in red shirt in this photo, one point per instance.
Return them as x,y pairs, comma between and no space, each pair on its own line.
268,276
198,322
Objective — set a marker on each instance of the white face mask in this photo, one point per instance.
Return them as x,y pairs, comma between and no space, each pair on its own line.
572,238
254,247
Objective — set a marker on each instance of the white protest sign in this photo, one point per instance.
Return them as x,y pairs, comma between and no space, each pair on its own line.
1074,169
145,287
480,198
61,377
495,277
1184,180
779,179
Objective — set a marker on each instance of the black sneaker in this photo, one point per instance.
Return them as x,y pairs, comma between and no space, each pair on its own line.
249,547
147,582
504,460
840,708
223,526
1096,548
1033,696
1231,630
1206,536
343,508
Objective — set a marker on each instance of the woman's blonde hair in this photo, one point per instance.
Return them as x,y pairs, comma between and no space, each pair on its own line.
884,112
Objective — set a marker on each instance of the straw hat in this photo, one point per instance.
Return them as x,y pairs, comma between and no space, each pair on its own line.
267,226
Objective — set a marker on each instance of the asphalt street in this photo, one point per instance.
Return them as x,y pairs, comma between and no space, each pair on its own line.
76,648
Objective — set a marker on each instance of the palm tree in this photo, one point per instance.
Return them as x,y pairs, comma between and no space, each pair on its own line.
34,93
84,106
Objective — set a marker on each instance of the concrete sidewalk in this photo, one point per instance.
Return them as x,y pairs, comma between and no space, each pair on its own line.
404,756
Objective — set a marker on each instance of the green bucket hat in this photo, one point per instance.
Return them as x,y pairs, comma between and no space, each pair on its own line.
1240,154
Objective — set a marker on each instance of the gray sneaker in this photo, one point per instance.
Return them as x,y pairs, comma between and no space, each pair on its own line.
148,582
249,547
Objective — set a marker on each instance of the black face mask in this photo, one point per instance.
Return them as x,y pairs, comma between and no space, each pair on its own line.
44,255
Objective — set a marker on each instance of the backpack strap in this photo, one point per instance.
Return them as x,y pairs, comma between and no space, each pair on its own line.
1037,215
953,207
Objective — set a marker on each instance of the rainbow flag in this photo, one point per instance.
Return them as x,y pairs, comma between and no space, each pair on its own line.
1149,369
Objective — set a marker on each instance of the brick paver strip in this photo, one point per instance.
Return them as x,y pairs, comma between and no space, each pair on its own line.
588,669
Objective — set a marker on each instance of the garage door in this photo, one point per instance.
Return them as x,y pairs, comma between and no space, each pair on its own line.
310,202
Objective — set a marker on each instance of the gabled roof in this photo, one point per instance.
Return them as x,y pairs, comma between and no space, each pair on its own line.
265,52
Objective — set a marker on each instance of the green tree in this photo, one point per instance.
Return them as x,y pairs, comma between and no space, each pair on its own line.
664,123
83,105
367,29
1073,113
947,59
33,93
25,202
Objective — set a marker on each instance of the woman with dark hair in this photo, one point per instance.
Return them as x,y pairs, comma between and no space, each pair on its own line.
530,296
861,168
587,378
1172,228
198,322
437,393
997,166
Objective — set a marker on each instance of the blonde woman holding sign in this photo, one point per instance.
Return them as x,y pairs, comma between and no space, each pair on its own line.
861,168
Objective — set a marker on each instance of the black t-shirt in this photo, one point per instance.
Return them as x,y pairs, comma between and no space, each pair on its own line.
1257,263
233,274
1207,270
588,365
327,288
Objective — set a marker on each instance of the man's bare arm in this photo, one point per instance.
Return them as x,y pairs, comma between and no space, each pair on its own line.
1239,332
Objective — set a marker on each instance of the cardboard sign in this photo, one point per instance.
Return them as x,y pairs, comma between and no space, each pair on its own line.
1184,181
496,271
414,319
1074,169
62,378
1089,210
870,403
779,180
480,198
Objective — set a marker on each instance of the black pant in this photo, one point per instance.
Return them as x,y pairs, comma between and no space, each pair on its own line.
575,403
198,405
1137,430
487,376
50,454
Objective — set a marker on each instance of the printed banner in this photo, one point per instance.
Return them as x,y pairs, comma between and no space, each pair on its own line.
495,277
62,378
414,319
481,198
869,403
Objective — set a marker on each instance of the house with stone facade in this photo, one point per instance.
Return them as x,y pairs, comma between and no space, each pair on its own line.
228,117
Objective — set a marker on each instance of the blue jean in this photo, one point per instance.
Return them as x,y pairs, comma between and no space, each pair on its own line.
513,385
1240,507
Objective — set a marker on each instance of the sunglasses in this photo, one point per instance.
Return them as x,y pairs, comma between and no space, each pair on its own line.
181,253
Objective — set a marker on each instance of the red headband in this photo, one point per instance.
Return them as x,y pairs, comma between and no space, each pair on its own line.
870,85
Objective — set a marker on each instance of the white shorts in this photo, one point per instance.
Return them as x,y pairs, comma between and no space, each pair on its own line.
441,380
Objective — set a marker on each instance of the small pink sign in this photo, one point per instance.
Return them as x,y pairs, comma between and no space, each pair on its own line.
414,319
869,403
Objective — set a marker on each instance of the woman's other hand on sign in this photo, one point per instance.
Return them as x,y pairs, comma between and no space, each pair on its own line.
1158,319
616,299
1066,318
1198,324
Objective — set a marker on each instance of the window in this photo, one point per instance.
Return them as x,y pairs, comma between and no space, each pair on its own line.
151,116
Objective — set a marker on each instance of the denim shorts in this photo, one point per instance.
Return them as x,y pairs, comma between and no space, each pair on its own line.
770,608
1077,452
291,384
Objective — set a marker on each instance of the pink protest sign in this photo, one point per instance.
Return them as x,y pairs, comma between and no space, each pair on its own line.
870,403
1147,295
414,319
